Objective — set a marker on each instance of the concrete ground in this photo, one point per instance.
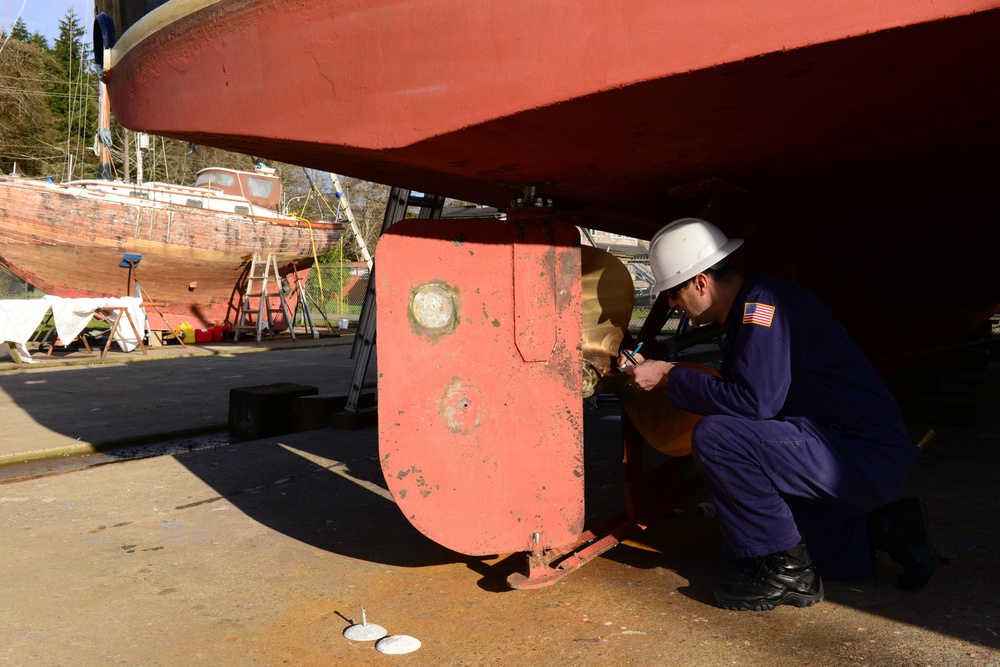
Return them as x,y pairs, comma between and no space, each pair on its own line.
263,552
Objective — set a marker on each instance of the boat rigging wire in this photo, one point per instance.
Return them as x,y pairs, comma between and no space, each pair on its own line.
16,19
77,108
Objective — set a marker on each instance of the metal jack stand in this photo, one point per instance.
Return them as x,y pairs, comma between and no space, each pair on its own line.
648,496
297,291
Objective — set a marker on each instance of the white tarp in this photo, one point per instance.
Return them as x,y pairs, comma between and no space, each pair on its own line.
72,315
20,318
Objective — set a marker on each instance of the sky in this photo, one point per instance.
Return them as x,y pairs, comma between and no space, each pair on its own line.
44,15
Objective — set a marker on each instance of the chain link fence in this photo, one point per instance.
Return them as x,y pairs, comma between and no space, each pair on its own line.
12,287
337,291
640,311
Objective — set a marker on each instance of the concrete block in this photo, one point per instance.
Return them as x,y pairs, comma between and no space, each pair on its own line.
265,410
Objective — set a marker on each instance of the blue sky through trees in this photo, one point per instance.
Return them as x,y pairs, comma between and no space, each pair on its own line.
43,16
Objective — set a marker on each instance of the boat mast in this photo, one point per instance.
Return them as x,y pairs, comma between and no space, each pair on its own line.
141,142
342,202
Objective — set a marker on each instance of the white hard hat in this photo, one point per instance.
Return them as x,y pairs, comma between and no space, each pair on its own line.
685,248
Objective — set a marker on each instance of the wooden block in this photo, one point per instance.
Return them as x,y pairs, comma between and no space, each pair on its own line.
265,410
352,420
312,412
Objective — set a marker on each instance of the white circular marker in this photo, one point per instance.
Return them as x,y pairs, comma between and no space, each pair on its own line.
365,632
397,644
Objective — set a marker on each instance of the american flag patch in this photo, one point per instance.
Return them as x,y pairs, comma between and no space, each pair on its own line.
758,313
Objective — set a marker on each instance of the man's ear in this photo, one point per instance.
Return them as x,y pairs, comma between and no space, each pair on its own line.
700,282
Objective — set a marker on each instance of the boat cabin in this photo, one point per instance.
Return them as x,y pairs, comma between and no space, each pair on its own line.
260,187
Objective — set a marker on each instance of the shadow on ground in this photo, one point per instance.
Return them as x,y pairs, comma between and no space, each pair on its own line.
328,491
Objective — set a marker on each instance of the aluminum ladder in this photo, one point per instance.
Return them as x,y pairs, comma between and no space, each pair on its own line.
400,199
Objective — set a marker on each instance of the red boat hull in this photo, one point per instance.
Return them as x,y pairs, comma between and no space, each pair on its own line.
845,139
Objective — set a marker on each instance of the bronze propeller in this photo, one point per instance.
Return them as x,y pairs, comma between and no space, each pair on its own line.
608,296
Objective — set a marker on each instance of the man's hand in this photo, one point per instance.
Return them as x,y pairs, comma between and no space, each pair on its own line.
631,359
650,374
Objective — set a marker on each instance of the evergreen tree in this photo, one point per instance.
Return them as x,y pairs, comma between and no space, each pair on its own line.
38,39
27,135
19,31
73,95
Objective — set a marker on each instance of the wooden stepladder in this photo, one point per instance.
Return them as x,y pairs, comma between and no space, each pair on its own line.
262,300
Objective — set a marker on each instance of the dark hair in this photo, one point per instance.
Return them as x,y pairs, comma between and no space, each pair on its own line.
721,271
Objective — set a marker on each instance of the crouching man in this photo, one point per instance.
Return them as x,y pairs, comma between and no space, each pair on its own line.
801,445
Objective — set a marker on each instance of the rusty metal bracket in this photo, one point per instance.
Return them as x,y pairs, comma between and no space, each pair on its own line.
648,496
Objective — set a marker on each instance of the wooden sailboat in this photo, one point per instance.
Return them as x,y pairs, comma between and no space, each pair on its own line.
195,242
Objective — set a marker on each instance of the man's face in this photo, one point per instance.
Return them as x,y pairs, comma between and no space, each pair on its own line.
693,298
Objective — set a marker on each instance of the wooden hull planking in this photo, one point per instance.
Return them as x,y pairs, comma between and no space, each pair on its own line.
69,242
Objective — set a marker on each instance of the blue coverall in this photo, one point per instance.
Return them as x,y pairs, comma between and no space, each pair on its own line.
801,437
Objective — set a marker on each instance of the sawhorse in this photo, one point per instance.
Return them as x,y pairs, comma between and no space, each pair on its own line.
122,311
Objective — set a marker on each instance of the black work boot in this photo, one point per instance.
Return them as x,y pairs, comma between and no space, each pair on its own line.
788,577
900,530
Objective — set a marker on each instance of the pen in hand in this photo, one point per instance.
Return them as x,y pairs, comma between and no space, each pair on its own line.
628,355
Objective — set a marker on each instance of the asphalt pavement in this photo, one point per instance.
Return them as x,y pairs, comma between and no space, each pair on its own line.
74,402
